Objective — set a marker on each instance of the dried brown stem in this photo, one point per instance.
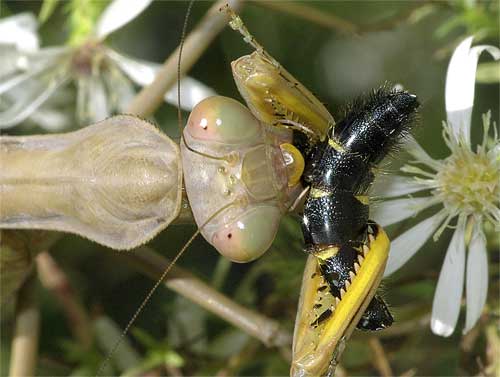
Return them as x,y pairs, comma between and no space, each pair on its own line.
151,96
331,21
340,371
311,14
24,353
397,19
380,360
256,325
492,350
55,281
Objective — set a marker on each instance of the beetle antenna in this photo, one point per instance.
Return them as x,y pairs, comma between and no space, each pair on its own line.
180,120
156,285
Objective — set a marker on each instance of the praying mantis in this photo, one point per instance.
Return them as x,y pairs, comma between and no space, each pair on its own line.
119,183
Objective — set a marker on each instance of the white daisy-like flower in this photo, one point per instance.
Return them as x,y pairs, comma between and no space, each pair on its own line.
466,187
31,79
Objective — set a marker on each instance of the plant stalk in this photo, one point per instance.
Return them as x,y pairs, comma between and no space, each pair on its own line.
24,351
256,325
150,97
56,282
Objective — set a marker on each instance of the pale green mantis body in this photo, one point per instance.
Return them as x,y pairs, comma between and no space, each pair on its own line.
117,182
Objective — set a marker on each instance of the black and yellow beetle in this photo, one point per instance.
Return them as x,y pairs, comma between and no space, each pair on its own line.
347,251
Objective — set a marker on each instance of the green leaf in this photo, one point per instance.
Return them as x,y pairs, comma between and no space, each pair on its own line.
228,343
159,354
144,338
47,10
173,359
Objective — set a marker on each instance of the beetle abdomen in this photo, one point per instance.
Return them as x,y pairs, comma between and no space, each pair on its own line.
340,172
376,124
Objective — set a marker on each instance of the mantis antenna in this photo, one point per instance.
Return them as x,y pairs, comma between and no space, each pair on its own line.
155,286
180,120
188,243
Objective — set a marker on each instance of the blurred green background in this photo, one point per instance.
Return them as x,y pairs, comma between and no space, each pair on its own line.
402,42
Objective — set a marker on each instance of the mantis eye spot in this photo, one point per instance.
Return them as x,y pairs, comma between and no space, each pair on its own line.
250,235
222,120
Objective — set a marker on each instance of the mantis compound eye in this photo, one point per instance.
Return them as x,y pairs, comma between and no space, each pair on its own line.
245,172
250,236
222,119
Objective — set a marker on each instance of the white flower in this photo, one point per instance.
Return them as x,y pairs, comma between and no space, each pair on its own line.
31,79
466,186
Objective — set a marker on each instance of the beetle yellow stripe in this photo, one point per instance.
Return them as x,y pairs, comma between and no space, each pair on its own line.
370,270
314,360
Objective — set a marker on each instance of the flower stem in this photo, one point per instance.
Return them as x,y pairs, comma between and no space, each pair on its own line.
331,21
380,358
151,97
55,281
23,358
311,14
265,329
492,349
220,273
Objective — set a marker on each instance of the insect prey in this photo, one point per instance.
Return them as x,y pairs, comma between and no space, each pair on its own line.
347,251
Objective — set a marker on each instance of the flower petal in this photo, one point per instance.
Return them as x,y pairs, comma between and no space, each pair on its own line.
413,147
121,91
446,304
18,66
139,71
17,80
392,211
98,102
118,14
192,92
477,279
28,98
92,102
408,243
21,31
10,58
460,80
52,120
143,73
57,113
396,185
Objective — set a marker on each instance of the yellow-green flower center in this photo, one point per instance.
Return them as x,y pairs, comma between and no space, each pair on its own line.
469,183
